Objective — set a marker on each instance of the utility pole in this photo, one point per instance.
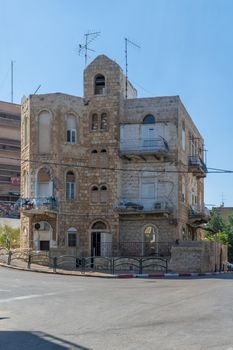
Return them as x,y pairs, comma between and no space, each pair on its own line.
126,63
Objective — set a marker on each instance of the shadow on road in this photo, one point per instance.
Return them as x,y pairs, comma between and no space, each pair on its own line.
18,340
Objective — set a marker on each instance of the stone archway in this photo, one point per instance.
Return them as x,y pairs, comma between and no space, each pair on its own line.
150,240
101,239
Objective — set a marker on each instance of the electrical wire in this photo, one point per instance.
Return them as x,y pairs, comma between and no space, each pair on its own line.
209,170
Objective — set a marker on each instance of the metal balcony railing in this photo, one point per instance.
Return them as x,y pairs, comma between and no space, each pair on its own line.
194,213
197,163
38,203
158,205
156,145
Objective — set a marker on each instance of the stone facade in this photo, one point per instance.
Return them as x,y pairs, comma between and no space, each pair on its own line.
103,172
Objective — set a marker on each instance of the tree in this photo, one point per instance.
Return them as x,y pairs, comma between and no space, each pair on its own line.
9,237
221,230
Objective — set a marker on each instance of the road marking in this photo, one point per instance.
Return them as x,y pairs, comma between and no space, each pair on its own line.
5,290
23,297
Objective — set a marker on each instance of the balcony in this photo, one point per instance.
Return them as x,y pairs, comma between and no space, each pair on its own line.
158,207
38,205
142,147
197,166
197,216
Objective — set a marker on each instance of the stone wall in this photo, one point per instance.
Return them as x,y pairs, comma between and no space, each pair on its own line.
198,256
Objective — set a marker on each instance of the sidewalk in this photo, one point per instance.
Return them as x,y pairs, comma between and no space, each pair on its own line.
20,265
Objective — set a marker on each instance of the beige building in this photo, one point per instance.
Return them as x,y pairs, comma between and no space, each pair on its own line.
109,175
9,157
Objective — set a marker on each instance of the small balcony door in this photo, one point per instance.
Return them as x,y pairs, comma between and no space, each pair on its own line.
148,136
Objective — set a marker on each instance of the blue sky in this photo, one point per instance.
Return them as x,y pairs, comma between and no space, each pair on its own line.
186,50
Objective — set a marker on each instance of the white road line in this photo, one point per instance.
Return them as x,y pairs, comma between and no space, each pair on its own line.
23,297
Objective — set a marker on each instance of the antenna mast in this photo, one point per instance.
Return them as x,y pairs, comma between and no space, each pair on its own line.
126,63
89,38
12,81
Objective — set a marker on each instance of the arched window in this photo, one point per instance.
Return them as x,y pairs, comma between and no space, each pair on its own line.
70,185
44,183
103,194
150,237
72,237
99,225
103,122
94,122
94,158
44,135
149,233
94,194
103,158
71,129
149,119
99,84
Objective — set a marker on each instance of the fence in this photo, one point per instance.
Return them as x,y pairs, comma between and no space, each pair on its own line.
111,265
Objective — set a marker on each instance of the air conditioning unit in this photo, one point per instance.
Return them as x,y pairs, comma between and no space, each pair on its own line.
37,226
158,205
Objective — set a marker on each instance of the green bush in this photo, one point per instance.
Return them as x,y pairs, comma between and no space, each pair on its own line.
9,237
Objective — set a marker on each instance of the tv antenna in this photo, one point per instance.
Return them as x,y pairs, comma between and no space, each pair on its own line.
127,41
89,38
12,81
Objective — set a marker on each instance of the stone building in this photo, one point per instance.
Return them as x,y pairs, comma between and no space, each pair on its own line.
9,157
106,175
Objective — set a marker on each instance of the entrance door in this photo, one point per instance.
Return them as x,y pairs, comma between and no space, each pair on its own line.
44,245
101,244
106,244
96,244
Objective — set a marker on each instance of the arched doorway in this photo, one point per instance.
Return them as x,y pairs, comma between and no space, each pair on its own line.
101,239
42,235
150,240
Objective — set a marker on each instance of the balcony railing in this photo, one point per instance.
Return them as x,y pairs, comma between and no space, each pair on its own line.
143,146
197,165
199,215
41,204
159,205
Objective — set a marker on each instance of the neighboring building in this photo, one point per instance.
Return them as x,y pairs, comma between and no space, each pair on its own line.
224,212
9,157
109,175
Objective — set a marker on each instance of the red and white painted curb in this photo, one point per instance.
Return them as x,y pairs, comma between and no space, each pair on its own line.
168,275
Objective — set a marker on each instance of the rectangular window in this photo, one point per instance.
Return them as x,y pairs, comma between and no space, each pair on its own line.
71,136
72,240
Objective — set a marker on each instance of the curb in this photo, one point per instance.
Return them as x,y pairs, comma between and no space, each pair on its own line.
170,275
159,275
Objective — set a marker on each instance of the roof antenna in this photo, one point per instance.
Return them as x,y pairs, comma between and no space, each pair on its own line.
126,63
89,38
12,81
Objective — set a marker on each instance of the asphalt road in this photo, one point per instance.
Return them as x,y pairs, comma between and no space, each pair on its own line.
39,311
